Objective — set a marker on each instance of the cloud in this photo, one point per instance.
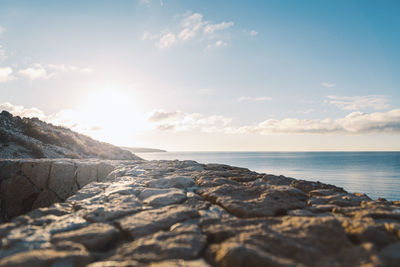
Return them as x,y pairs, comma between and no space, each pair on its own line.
6,74
354,123
217,44
167,40
328,85
35,72
377,102
68,68
190,25
253,33
2,29
22,111
255,99
47,71
160,115
181,121
211,28
2,53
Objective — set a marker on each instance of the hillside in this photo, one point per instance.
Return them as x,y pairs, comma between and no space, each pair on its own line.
33,138
142,149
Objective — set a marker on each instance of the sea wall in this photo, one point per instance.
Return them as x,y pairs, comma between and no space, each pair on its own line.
29,184
182,213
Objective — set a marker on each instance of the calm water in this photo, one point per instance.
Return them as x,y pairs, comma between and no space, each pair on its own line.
375,173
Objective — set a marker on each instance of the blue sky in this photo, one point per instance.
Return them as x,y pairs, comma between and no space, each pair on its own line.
208,75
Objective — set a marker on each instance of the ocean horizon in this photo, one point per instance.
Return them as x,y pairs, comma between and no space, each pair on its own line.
374,173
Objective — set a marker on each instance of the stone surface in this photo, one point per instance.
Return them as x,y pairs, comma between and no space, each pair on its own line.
94,237
150,221
62,179
37,172
181,213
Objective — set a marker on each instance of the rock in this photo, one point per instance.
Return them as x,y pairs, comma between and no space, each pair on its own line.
163,198
256,201
37,172
181,243
392,254
94,237
232,254
181,263
17,196
85,174
127,263
62,179
150,213
150,221
172,181
45,199
46,257
103,170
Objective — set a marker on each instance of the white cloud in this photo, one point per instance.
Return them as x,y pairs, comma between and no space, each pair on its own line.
190,25
2,29
167,40
253,33
377,102
35,72
47,71
22,111
251,98
354,123
2,53
217,44
211,28
160,115
328,85
6,74
67,68
181,121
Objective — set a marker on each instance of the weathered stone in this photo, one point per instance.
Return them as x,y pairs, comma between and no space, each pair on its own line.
163,198
181,243
234,254
180,263
45,199
233,217
17,196
115,208
8,169
123,263
150,221
62,179
256,201
85,174
93,237
103,170
392,254
172,181
37,172
46,257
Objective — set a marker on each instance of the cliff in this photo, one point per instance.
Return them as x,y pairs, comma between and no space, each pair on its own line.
32,138
182,213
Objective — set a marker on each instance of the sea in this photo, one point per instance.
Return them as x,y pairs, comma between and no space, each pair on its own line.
375,173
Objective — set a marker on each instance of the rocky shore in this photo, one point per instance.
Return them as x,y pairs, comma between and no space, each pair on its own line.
182,213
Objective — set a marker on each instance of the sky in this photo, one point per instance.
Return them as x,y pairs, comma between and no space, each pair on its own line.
208,75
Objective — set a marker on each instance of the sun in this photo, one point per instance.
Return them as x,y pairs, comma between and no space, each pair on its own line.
112,116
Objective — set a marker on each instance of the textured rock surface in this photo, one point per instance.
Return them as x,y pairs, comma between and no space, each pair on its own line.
181,213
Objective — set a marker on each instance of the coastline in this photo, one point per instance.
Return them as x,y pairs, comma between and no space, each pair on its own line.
375,173
146,213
